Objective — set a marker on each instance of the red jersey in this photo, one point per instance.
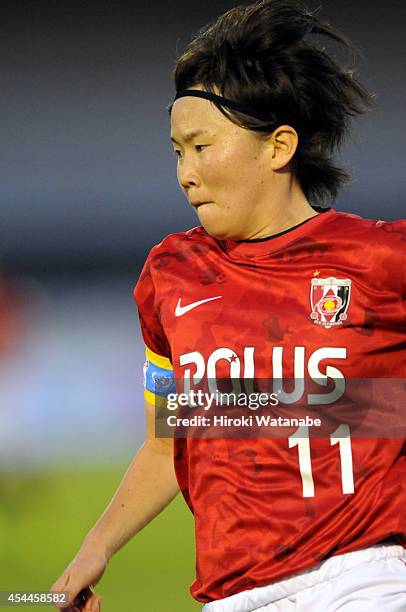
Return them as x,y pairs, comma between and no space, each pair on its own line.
325,295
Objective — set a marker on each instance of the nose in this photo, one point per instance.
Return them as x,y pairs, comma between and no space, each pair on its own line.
187,175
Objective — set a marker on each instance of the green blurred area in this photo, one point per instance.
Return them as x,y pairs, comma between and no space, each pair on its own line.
44,517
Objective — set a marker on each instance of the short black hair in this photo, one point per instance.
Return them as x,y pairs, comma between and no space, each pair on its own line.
264,57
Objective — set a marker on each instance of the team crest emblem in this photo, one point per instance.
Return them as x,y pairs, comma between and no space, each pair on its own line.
329,299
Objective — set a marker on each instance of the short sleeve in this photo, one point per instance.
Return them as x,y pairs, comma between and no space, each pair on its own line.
151,328
158,370
396,232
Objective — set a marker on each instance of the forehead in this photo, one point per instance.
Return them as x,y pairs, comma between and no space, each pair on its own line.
190,115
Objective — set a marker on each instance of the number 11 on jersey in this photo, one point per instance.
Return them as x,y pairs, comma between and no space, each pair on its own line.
340,436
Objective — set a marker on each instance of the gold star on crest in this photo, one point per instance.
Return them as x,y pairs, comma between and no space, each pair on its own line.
316,273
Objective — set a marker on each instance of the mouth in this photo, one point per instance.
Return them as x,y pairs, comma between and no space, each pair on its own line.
198,204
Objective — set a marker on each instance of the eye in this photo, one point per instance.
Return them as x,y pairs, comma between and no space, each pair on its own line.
178,153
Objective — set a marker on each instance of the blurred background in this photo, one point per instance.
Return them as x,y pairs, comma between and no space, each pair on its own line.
88,185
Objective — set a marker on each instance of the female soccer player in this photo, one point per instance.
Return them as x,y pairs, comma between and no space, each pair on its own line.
270,285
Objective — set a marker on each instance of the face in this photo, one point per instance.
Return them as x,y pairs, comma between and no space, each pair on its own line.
222,168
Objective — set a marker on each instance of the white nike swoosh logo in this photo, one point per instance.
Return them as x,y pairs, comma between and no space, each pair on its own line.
181,310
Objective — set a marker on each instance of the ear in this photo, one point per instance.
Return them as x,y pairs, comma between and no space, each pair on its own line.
282,144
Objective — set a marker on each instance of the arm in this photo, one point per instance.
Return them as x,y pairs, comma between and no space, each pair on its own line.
148,486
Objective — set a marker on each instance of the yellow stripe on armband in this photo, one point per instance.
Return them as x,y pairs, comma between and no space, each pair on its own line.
155,400
159,360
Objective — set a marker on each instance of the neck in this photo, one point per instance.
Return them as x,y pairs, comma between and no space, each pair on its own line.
287,208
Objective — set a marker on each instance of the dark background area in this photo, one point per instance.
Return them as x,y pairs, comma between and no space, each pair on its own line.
88,179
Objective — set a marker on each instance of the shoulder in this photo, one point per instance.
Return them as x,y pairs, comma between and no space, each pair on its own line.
370,232
373,247
180,246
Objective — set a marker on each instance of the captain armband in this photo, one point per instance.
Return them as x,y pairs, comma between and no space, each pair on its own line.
159,378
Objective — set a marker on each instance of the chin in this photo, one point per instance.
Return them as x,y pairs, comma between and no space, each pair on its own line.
214,226
215,230
216,234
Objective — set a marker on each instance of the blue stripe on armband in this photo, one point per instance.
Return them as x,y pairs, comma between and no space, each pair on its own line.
157,380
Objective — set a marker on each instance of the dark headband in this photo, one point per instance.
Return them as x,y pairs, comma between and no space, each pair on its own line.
198,93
